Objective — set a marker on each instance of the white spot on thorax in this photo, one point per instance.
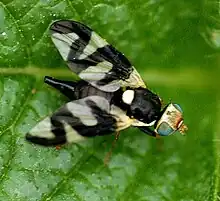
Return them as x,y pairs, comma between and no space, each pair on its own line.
128,96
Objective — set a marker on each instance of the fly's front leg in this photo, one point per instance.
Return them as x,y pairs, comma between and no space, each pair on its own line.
148,131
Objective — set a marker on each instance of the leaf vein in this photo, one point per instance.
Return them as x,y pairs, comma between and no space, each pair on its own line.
166,78
20,31
18,115
217,157
69,174
13,145
12,151
30,9
72,8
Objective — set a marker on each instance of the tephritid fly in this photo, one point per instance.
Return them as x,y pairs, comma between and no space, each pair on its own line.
110,96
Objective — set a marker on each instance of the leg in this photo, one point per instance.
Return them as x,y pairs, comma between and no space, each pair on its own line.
109,154
148,131
65,87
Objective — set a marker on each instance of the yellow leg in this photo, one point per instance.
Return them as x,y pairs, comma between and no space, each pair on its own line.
109,154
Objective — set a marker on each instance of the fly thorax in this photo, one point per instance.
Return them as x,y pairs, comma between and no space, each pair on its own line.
145,105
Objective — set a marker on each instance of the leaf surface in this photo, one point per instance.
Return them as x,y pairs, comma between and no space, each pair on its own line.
164,41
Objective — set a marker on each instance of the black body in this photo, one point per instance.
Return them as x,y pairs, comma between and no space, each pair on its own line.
145,107
96,104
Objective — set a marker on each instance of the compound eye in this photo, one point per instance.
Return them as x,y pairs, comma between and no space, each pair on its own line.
178,107
164,129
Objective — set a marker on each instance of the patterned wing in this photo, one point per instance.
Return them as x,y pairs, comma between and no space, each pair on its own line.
92,58
77,120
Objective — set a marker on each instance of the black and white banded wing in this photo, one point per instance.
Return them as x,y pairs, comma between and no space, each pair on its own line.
92,58
77,120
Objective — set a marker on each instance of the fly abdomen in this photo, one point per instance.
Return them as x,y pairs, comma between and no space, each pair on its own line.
67,88
84,89
76,90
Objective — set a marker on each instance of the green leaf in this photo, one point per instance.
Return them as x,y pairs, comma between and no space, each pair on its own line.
165,41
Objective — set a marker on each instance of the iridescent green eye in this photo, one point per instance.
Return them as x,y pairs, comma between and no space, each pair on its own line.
164,129
178,107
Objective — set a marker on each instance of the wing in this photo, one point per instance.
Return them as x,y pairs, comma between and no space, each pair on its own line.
77,120
92,58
